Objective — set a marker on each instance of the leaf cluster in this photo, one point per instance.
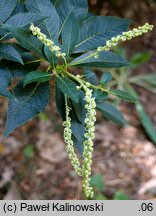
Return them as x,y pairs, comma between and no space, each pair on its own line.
78,32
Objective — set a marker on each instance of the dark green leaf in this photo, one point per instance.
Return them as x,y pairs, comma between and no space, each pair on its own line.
105,60
25,105
78,145
10,53
70,34
26,39
24,19
77,132
60,101
91,77
111,113
123,95
78,108
20,8
98,29
5,81
51,57
6,8
68,87
65,8
36,76
45,8
106,77
100,95
4,35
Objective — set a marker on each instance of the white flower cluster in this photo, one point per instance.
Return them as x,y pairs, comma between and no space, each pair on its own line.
88,143
135,32
70,145
43,38
90,119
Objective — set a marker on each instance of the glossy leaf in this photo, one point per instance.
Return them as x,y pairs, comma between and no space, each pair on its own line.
6,8
70,34
106,78
91,77
98,29
105,60
25,105
20,8
100,95
111,113
36,76
25,19
60,101
78,108
26,39
10,53
45,8
123,95
68,87
65,8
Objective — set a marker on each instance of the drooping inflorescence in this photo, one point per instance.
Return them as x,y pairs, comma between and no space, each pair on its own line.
69,143
88,143
47,42
114,41
90,119
83,168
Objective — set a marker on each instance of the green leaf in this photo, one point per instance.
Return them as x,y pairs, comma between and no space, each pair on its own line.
140,58
24,19
111,113
26,39
105,60
123,95
68,87
78,108
70,34
150,79
6,8
106,78
91,77
98,29
25,105
20,8
100,95
45,8
146,122
144,118
51,57
10,53
36,76
120,195
5,81
60,101
77,132
65,8
97,182
29,151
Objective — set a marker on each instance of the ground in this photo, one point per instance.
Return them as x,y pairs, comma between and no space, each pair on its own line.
33,161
